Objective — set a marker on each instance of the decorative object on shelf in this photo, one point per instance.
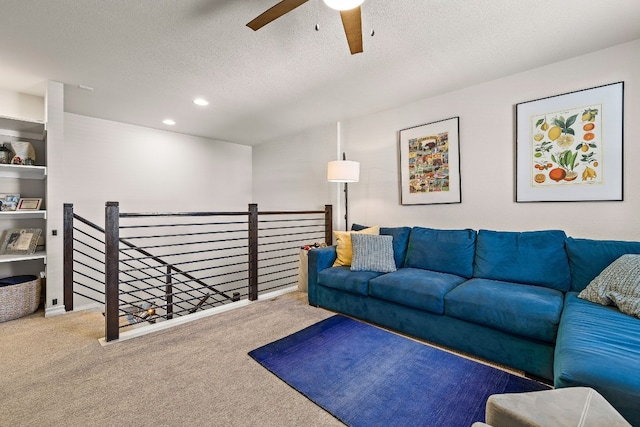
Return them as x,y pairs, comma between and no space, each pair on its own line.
29,204
569,146
5,154
24,153
345,171
20,241
9,202
42,244
430,163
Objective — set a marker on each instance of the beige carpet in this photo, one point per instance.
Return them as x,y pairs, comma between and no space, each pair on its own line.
54,372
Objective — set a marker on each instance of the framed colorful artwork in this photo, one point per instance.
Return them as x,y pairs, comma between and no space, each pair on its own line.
569,147
430,163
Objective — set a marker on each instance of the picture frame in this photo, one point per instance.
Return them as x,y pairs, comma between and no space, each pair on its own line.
430,163
29,204
20,241
9,202
569,147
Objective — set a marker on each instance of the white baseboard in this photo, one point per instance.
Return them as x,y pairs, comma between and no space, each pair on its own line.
56,310
277,293
137,332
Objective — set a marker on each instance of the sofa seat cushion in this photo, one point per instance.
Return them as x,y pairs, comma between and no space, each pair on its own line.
524,310
599,347
342,278
414,287
530,257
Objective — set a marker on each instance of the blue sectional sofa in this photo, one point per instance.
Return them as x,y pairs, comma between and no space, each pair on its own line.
508,297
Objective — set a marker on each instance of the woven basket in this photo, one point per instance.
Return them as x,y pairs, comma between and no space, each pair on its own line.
20,299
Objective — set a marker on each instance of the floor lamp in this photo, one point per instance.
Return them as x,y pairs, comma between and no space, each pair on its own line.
345,171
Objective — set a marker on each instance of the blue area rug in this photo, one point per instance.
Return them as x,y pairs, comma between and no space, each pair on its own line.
366,376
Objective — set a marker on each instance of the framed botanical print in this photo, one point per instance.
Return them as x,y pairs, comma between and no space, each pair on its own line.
569,147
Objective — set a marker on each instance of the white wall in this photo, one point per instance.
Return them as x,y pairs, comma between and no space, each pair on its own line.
151,170
487,143
291,174
145,170
21,106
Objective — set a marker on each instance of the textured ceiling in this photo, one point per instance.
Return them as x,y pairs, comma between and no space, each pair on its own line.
147,59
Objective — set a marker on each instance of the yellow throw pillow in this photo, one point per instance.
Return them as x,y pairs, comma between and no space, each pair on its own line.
344,249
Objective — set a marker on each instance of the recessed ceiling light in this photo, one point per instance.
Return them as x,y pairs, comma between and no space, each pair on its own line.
200,101
169,122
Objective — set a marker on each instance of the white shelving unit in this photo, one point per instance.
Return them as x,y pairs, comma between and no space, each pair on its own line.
23,172
13,129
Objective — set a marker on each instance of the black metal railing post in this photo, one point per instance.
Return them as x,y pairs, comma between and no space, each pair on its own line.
67,256
169,293
253,252
112,267
328,224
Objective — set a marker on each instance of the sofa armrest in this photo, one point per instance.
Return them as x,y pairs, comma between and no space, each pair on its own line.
319,259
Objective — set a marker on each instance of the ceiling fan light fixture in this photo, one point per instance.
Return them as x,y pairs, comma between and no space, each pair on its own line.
343,4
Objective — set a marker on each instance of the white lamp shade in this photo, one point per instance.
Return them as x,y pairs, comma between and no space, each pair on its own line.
343,4
343,171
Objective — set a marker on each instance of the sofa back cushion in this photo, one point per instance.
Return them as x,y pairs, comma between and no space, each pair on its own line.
587,258
400,240
530,257
446,251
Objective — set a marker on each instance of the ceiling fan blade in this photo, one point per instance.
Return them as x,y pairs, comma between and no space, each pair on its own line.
352,23
282,8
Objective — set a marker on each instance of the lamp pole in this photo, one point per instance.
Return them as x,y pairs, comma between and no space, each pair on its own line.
346,199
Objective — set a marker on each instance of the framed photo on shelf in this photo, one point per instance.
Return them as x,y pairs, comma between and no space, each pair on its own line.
569,147
430,163
9,202
29,204
21,241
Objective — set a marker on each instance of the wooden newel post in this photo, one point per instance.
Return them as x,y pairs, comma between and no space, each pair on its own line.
112,279
67,256
328,224
253,252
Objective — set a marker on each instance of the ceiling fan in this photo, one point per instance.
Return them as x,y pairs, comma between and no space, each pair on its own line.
349,12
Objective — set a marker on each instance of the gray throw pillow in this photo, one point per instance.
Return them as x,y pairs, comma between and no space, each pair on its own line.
372,253
618,284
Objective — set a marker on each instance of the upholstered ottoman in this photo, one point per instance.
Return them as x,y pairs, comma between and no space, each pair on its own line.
573,406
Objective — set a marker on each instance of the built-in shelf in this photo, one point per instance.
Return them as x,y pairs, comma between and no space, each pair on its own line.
23,172
21,128
17,129
25,214
13,258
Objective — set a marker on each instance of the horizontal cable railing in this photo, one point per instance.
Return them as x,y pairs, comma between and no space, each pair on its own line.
150,267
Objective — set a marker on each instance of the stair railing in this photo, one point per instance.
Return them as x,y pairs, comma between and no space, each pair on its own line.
142,273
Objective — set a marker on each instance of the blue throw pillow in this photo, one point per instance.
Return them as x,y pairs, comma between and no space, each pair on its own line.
587,258
446,251
372,253
530,257
400,240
